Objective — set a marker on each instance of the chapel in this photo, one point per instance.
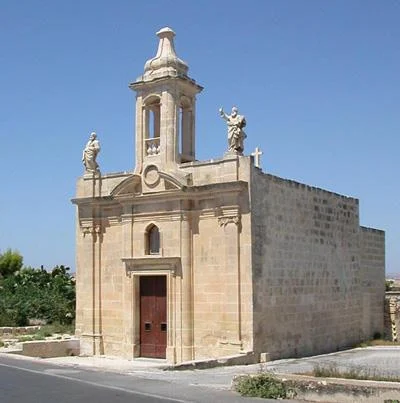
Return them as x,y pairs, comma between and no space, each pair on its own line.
185,260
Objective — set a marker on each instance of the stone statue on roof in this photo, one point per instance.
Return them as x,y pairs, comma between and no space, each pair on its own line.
236,134
90,153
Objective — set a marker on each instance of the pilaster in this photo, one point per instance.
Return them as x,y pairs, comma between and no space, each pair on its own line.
230,222
91,336
187,286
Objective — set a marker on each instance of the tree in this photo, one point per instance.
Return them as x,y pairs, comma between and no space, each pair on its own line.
10,262
37,294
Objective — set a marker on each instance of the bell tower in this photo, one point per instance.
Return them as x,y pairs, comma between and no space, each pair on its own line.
165,109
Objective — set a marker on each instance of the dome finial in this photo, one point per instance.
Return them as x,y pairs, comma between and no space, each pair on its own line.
166,62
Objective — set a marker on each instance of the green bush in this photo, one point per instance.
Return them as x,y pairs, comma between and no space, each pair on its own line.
263,385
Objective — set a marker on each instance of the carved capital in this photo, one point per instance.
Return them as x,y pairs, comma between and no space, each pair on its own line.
96,229
86,229
223,221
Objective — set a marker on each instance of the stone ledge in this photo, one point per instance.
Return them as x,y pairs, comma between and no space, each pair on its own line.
51,349
240,359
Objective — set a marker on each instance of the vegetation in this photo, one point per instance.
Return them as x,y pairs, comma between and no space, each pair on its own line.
55,328
27,293
362,373
264,385
389,284
377,342
26,338
10,262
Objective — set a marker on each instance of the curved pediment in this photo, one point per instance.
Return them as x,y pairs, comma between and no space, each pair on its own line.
155,180
175,180
151,180
129,186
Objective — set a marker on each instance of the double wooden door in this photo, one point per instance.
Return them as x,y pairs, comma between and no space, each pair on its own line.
153,316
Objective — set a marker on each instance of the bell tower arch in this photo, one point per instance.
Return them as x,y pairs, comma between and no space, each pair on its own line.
165,109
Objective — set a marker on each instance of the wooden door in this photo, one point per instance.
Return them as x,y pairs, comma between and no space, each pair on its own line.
153,316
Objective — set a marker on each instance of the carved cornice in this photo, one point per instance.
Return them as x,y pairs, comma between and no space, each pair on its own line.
150,264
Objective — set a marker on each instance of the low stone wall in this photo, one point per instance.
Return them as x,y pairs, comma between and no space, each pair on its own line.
392,315
330,390
51,349
334,390
18,331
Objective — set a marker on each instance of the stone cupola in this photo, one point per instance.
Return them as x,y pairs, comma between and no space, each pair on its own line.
165,109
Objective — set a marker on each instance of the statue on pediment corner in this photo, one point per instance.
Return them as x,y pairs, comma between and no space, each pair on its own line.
90,153
236,134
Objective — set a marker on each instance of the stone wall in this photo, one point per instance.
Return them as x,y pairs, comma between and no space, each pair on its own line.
372,275
308,295
18,331
222,288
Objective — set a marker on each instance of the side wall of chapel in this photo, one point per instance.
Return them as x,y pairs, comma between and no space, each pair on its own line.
307,269
372,244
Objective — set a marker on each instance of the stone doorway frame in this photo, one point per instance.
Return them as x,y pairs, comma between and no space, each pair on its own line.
151,266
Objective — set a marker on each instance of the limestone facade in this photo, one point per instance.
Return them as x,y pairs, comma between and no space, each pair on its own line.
252,263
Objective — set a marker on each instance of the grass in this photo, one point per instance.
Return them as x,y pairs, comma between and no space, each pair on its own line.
25,338
378,342
55,328
47,331
366,374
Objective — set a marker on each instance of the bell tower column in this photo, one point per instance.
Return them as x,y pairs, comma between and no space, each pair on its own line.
168,141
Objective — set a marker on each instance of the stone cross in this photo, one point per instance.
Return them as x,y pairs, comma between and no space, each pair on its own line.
257,157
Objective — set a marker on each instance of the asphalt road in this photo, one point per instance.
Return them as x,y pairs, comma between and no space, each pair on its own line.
39,382
69,380
18,385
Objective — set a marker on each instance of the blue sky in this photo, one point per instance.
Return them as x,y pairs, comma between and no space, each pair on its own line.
318,82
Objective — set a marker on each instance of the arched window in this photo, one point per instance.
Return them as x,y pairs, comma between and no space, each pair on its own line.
152,118
153,240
